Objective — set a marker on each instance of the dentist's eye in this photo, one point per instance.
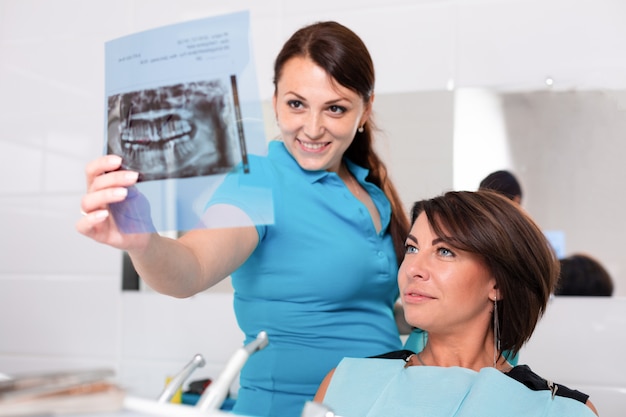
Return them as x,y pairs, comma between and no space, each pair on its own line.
295,104
337,109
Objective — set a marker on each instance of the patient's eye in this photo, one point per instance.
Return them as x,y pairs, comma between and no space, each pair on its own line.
409,248
445,252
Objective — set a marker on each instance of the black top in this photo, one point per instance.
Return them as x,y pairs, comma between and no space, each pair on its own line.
520,373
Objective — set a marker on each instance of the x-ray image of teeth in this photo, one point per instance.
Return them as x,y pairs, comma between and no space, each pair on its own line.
177,131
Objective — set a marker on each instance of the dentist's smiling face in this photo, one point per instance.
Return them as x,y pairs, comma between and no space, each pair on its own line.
443,289
318,117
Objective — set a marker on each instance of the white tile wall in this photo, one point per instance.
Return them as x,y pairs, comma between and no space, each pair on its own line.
52,322
60,300
579,343
161,334
543,39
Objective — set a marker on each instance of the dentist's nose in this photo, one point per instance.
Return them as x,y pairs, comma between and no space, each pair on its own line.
313,128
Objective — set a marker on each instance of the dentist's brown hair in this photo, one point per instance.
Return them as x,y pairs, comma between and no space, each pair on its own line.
343,55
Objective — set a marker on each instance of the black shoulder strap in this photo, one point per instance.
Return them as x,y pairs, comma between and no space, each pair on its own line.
524,375
396,354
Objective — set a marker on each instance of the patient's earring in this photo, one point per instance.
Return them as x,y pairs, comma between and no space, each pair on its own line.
361,129
496,332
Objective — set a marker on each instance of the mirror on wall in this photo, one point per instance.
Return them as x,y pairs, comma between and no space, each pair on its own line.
567,148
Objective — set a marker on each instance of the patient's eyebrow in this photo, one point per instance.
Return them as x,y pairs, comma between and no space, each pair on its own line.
434,242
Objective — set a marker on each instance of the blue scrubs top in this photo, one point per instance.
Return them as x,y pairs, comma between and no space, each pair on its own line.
321,282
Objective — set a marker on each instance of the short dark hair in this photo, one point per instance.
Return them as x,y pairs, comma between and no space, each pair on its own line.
513,247
503,182
583,275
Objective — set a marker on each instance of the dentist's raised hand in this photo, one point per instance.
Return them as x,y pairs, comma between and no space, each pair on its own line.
106,185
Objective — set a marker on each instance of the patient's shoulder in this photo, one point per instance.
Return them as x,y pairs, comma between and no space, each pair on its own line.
524,375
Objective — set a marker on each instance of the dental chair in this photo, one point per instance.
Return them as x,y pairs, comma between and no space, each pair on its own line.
67,392
213,396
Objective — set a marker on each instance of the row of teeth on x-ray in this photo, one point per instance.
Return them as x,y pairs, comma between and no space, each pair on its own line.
180,148
151,133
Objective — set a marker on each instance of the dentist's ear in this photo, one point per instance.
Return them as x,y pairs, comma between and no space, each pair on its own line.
274,107
367,112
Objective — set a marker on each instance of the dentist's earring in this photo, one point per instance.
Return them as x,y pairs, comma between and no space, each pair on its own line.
361,129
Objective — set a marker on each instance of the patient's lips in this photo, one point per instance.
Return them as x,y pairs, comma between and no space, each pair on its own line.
414,296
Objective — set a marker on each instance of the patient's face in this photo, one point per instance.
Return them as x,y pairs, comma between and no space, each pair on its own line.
443,289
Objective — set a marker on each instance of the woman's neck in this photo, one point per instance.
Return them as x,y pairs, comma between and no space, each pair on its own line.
473,354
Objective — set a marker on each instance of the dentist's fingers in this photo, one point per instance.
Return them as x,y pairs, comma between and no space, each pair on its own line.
99,200
106,183
114,179
104,172
85,225
101,165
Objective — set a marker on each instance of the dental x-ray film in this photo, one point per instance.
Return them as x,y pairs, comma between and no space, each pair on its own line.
183,110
